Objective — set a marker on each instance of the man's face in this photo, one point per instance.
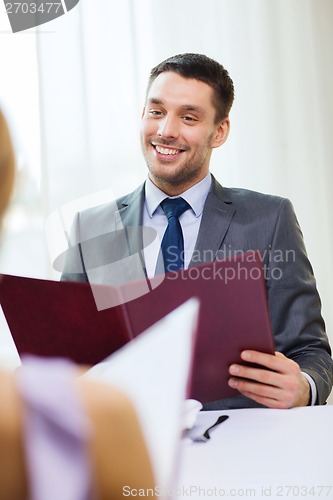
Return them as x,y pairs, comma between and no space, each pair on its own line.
179,131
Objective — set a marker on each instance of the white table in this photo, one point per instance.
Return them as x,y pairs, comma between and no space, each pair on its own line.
261,453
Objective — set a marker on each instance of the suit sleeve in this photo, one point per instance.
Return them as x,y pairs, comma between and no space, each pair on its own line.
294,303
74,269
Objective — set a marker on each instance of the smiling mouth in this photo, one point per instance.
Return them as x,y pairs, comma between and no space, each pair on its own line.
167,151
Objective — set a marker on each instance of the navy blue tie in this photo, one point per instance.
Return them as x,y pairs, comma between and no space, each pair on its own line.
173,243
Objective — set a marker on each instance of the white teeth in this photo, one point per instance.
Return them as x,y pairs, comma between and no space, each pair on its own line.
166,151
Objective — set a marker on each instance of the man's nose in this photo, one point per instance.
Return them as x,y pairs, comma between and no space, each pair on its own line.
168,127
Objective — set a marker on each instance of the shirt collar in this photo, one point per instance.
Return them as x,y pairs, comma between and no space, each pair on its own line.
195,196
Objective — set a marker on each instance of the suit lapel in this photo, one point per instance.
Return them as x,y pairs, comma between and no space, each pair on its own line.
131,208
125,233
129,218
216,218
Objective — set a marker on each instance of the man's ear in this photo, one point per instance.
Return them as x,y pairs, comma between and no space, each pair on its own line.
222,132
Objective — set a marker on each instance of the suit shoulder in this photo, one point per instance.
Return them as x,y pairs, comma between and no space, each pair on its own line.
240,196
107,209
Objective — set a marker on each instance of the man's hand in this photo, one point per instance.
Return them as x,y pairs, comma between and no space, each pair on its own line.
284,387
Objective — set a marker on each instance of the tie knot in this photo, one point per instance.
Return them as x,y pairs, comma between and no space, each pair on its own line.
174,207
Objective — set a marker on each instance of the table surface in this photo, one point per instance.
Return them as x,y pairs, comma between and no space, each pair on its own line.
260,453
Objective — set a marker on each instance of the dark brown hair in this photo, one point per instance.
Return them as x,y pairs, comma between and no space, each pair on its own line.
205,69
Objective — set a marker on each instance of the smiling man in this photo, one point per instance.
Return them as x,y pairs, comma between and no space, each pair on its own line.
180,128
185,117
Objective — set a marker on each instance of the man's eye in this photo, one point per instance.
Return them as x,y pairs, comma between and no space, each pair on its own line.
154,112
189,119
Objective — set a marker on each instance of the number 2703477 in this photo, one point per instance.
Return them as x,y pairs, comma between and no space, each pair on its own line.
32,8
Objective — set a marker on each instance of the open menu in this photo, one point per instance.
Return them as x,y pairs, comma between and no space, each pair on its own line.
66,319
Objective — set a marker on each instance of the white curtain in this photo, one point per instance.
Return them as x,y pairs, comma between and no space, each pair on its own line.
92,70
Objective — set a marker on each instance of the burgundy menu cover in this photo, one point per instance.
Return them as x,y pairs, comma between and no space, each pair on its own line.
50,318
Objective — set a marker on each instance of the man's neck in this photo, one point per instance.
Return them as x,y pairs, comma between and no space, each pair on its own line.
175,189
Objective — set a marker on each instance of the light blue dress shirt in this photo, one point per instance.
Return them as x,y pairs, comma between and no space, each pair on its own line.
153,216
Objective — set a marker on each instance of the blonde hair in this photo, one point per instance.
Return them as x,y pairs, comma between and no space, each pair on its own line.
7,166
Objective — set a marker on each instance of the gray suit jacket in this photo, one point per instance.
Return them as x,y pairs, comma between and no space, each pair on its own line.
106,248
